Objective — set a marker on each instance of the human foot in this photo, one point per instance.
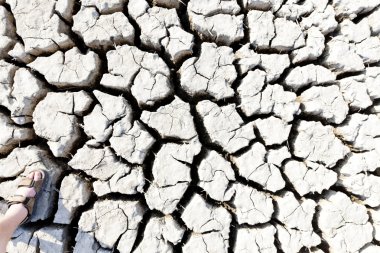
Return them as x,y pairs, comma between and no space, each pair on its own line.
22,202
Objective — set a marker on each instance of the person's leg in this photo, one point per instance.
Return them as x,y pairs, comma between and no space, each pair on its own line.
15,214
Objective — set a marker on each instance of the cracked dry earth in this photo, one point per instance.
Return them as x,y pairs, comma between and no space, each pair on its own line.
203,126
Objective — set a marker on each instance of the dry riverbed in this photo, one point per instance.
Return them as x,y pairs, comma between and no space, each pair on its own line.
192,125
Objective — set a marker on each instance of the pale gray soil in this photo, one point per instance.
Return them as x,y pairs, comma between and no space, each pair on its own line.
203,126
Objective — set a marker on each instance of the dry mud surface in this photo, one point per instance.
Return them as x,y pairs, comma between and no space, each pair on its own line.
203,126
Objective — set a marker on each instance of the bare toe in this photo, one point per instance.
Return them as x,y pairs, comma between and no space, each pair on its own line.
31,174
37,175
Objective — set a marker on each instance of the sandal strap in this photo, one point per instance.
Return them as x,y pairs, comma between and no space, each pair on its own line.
18,199
25,220
26,182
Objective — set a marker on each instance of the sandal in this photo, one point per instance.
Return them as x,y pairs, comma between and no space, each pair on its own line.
27,202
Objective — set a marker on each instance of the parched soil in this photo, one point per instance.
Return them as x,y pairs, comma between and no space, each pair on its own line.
194,126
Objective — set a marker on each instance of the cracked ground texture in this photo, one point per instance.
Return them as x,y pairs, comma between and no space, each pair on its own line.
203,126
